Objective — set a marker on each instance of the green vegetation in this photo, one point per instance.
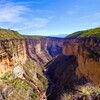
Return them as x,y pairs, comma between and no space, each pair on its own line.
30,69
68,97
9,34
85,91
43,80
15,82
18,86
25,88
97,91
34,96
95,32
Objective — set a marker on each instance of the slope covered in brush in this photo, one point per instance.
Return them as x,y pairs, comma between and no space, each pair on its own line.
95,32
9,34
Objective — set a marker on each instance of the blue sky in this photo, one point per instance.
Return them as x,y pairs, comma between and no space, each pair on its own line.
49,17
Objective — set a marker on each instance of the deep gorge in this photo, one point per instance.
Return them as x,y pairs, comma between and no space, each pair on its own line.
17,50
70,62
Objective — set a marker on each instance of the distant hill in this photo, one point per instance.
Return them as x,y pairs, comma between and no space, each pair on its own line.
95,32
60,35
41,37
34,36
9,34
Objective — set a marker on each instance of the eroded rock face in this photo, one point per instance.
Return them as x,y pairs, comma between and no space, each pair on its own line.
19,71
24,82
11,53
42,50
21,61
16,51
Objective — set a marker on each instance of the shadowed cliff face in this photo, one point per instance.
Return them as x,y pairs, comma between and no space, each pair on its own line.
79,64
62,71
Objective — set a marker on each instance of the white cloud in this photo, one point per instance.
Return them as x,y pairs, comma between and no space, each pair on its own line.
20,15
11,12
34,23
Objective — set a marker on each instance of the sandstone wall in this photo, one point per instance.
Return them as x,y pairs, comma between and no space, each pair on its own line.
12,52
15,51
42,50
87,51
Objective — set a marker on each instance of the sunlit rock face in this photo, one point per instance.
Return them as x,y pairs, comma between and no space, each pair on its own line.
11,53
21,63
87,51
15,51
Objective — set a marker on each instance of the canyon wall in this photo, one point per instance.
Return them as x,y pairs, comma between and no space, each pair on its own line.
21,62
78,65
15,51
42,50
12,52
87,51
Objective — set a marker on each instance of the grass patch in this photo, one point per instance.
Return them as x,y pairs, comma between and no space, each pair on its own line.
85,91
68,97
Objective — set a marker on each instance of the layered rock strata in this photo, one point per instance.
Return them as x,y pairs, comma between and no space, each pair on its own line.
11,53
42,50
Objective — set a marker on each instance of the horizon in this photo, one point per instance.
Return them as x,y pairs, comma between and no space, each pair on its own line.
48,17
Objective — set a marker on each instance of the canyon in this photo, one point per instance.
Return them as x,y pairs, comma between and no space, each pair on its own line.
14,51
78,65
70,62
21,65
